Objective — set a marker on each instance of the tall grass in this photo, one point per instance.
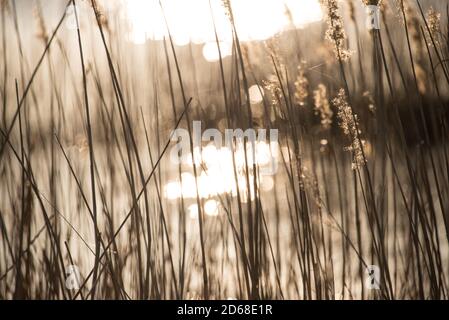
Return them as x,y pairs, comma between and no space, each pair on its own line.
86,131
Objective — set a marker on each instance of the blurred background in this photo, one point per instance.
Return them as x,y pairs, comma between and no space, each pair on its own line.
86,177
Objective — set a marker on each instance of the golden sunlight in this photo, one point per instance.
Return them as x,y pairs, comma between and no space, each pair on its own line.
217,174
193,21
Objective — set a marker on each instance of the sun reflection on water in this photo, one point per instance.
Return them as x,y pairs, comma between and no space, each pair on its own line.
217,175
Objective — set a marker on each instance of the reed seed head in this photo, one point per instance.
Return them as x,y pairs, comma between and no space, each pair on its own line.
322,106
349,124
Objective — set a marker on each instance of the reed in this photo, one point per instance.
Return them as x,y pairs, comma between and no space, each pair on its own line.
87,131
